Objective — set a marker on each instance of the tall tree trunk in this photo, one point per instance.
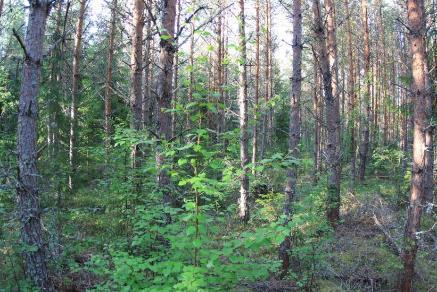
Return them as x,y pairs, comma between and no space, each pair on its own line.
191,61
164,90
332,120
364,147
175,73
256,93
317,124
294,127
75,94
53,103
147,97
270,114
267,51
243,117
108,83
220,71
27,186
136,63
421,181
352,95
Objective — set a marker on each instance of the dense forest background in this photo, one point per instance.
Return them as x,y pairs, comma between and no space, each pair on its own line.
256,145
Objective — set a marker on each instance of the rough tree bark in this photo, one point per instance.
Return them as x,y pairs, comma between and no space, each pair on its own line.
75,93
351,94
136,63
147,97
164,90
332,119
364,145
421,181
243,117
256,93
108,83
333,124
219,70
317,124
294,127
176,72
27,186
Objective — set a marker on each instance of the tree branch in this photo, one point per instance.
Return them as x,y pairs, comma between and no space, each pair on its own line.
20,41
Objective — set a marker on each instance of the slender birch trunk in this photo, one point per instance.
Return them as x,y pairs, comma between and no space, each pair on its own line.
243,117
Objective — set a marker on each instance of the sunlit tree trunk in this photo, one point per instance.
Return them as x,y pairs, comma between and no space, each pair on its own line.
75,93
243,117
27,137
365,123
294,127
421,181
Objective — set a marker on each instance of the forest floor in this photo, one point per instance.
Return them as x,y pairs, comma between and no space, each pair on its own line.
362,255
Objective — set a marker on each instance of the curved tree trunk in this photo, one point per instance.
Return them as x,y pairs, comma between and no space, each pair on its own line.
27,186
242,103
421,181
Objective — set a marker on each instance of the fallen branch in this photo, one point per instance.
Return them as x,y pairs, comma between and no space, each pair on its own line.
392,243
